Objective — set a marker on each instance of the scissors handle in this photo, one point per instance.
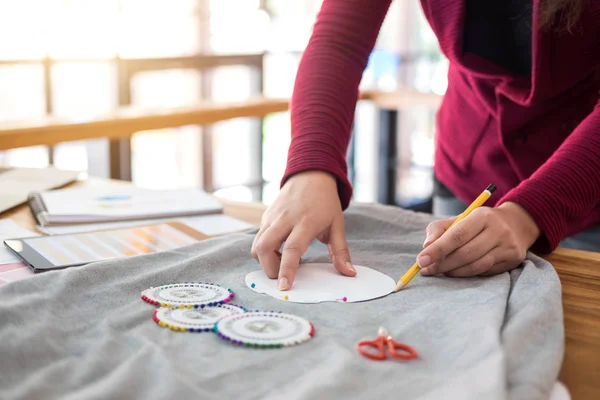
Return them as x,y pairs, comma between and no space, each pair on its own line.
400,350
377,344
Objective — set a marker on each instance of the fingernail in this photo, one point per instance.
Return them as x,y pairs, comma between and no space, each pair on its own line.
424,271
427,239
424,261
350,266
283,284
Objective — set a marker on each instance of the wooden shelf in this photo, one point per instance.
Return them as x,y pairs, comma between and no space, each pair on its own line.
125,122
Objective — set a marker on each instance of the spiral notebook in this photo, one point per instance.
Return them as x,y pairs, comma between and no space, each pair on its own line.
94,205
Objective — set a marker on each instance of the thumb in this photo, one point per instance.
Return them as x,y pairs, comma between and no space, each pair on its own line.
436,229
338,248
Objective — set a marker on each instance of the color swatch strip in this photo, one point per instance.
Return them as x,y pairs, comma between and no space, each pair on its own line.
95,246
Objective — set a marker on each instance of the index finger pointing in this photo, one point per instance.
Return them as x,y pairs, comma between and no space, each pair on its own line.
295,246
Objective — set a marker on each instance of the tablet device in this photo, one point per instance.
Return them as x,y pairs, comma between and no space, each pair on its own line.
69,250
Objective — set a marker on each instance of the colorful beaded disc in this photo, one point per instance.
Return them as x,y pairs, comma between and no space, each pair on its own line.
187,295
194,320
265,329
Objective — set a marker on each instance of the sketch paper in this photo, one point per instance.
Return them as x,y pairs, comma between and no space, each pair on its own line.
316,283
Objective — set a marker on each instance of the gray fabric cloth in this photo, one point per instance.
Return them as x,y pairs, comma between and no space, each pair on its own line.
588,240
84,333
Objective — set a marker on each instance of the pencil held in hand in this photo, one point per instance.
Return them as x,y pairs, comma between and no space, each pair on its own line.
479,201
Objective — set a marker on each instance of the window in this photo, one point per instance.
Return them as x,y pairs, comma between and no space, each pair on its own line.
78,58
81,90
234,142
78,45
417,125
238,26
167,158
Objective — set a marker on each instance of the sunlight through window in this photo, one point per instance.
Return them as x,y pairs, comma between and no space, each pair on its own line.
80,45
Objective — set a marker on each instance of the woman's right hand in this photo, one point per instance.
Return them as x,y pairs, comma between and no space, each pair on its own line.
307,207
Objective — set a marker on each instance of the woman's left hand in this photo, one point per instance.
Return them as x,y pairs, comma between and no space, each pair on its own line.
488,241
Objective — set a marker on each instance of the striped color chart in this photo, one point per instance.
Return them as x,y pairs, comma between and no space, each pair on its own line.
94,246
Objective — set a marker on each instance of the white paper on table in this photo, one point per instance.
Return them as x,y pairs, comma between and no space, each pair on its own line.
125,203
210,225
216,224
10,230
316,283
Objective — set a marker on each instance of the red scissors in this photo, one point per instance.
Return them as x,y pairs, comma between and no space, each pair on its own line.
385,340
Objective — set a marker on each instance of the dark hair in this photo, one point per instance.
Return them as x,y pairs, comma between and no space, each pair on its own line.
561,15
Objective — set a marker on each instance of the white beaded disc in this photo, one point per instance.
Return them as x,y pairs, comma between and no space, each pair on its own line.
187,295
265,329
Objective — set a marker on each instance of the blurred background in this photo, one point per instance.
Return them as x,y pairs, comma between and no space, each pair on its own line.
78,59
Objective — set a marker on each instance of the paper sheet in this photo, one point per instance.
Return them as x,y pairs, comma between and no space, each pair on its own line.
102,204
316,283
18,183
12,267
210,225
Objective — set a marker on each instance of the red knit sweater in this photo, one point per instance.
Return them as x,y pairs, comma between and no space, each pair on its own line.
537,139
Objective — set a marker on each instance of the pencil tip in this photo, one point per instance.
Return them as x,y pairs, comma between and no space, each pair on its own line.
399,287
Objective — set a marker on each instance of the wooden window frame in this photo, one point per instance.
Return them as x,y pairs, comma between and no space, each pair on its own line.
119,150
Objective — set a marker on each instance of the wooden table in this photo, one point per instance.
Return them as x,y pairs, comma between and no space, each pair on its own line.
579,273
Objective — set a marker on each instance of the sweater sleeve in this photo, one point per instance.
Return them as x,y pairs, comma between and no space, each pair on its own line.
566,187
326,88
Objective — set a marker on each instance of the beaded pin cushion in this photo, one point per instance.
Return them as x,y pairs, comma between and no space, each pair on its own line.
264,329
194,320
187,295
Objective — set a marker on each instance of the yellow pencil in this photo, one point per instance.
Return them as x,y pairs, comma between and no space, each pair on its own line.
479,201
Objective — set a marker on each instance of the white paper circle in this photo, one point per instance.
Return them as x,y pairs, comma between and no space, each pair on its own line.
316,283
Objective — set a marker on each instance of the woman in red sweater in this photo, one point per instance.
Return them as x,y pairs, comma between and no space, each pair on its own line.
521,110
